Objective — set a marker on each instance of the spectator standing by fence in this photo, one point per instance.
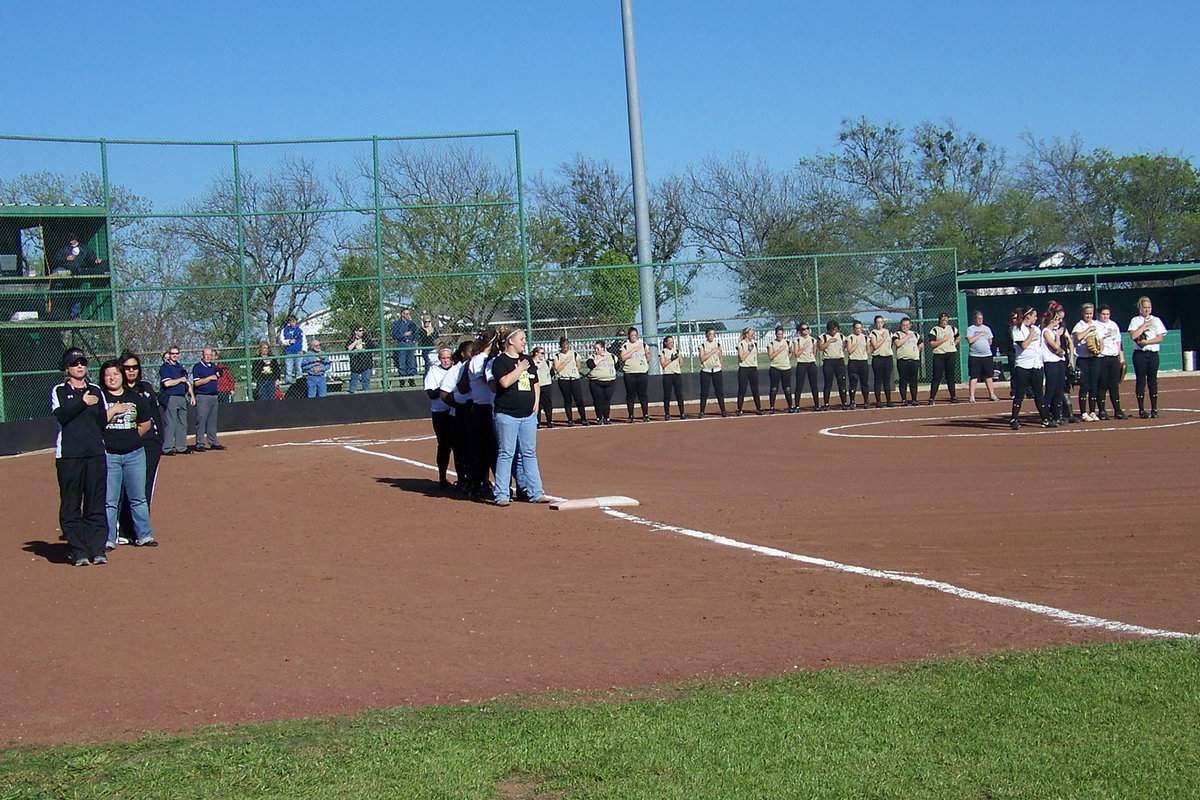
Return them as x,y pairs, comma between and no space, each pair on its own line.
404,334
316,369
361,359
292,339
205,377
175,394
265,372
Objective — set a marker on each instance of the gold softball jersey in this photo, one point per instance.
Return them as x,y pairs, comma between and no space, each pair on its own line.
882,342
566,365
710,356
806,349
604,370
780,360
673,364
747,354
906,348
543,372
948,346
859,340
833,346
636,363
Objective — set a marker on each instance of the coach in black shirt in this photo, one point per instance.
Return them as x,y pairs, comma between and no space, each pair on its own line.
79,461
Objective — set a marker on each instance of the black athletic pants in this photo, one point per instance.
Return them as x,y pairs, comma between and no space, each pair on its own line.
602,392
672,382
82,487
1088,375
443,429
834,369
483,443
1108,380
546,403
908,369
1056,373
571,390
860,375
748,376
636,386
716,382
1145,366
1022,379
807,371
944,369
780,377
881,368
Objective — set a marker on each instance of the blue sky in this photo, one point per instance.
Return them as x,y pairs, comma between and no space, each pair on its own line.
774,79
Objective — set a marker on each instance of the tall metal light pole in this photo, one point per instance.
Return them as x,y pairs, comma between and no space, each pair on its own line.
641,203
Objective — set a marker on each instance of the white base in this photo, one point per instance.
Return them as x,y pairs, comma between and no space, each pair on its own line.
594,502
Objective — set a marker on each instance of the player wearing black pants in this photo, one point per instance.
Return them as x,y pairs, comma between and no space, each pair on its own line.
881,370
79,461
710,370
807,372
672,380
860,376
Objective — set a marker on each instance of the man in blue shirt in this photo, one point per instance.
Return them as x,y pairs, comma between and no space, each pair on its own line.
404,332
175,393
315,366
292,339
204,386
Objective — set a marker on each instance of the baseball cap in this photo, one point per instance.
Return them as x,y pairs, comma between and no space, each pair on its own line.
71,356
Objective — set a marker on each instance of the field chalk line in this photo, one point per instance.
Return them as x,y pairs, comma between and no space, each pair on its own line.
1071,618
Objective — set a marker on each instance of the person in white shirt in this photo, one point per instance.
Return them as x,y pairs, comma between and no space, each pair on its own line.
1027,370
1109,363
1054,361
980,361
1147,332
635,361
458,398
1085,362
442,414
747,355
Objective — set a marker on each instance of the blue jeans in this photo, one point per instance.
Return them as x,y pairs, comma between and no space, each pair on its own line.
517,437
316,385
406,362
128,471
265,390
362,378
291,366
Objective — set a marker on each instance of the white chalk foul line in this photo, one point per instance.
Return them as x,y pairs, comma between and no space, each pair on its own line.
1027,428
1069,617
1061,615
343,441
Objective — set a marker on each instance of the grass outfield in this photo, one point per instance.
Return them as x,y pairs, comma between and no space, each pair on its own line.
1101,721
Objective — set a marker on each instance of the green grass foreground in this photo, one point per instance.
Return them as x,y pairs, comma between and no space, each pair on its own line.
1091,722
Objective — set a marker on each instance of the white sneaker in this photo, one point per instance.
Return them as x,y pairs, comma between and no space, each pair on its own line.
972,400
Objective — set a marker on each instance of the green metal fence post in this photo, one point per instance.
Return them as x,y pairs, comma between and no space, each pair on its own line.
379,261
112,291
521,233
241,248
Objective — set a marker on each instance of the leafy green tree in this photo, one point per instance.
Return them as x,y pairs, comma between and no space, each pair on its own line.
614,287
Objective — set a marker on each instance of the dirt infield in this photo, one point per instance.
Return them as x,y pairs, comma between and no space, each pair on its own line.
318,571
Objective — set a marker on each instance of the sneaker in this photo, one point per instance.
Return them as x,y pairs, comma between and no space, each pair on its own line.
501,503
739,413
1154,413
199,449
82,561
110,546
216,447
99,560
1119,414
631,418
931,401
147,542
954,401
124,540
683,416
570,423
971,400
645,418
1049,423
700,415
543,500
994,399
1014,424
758,413
522,496
1144,415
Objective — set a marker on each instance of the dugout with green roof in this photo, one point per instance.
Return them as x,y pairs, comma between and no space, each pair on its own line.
44,310
1172,286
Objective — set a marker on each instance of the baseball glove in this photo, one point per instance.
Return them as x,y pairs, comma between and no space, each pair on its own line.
1095,344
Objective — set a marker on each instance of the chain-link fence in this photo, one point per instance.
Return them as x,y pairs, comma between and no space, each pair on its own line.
109,245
